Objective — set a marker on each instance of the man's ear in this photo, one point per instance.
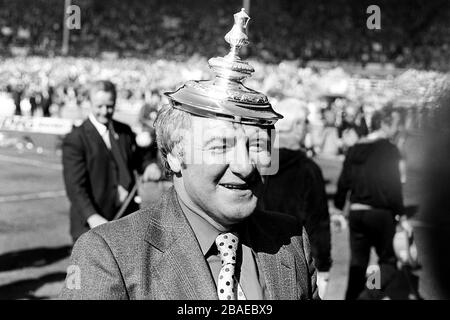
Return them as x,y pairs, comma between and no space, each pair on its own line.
174,163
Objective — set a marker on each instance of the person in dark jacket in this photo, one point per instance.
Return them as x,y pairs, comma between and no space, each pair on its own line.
17,94
99,159
298,188
372,177
46,100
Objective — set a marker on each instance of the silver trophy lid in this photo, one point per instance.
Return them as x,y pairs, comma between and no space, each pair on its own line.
225,97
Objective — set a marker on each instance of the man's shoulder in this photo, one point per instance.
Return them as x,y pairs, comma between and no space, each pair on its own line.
121,127
311,165
392,147
307,168
278,223
385,147
300,160
77,131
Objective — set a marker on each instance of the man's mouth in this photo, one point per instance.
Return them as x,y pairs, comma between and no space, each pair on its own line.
235,186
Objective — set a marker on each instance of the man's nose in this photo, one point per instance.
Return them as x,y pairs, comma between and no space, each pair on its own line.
102,108
241,164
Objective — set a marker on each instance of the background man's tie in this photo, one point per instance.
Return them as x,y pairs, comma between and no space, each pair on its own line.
228,287
124,174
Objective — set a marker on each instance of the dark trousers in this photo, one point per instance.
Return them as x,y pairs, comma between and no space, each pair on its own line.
369,228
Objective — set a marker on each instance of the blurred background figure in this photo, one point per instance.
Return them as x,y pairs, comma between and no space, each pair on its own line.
146,138
149,111
330,143
370,181
99,159
352,125
432,225
32,97
298,188
353,119
16,91
46,100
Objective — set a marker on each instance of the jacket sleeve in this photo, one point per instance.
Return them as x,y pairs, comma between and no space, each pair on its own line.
344,182
93,272
317,222
397,193
75,175
312,271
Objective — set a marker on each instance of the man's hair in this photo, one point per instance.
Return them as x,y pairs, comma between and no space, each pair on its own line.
379,117
170,125
103,85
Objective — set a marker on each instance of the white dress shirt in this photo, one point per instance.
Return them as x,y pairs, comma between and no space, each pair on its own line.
102,130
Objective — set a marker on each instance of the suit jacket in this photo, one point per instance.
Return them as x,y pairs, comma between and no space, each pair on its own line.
154,254
90,172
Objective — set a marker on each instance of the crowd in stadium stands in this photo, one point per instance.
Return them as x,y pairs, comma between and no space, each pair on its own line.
413,33
149,47
57,87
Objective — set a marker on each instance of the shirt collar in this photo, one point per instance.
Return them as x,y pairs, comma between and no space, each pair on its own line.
204,231
101,128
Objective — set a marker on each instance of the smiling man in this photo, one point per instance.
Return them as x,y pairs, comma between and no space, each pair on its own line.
99,160
205,238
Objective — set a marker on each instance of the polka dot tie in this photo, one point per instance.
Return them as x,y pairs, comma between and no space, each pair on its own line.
227,286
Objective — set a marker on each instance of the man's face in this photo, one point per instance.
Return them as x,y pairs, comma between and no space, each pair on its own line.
222,166
330,117
350,114
103,106
301,125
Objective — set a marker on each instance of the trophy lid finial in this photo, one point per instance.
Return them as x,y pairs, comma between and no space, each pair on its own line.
237,36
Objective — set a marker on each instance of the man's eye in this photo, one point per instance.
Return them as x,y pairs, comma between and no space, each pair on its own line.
258,145
219,149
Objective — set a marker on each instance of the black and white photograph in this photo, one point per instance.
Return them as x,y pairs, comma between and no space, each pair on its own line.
224,150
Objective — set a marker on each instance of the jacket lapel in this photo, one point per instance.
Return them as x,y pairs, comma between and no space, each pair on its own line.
275,262
121,142
95,137
182,270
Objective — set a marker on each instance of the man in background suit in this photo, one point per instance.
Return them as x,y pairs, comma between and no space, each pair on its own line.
98,160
